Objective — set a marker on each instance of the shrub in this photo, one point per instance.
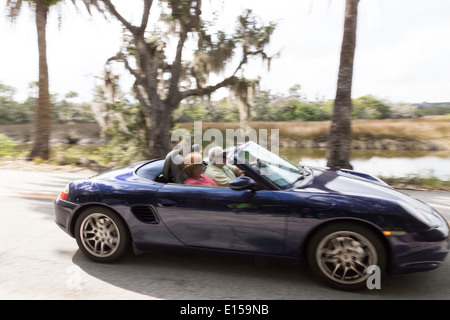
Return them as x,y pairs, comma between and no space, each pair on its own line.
8,147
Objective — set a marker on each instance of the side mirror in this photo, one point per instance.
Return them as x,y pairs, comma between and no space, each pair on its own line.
301,168
242,183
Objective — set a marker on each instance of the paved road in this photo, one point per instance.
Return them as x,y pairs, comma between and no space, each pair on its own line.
40,261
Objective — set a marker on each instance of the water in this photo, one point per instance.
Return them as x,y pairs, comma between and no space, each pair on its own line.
389,164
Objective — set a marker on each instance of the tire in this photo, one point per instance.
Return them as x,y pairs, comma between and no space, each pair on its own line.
340,254
101,235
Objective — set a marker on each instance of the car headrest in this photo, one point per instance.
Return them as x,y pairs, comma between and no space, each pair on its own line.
196,148
172,170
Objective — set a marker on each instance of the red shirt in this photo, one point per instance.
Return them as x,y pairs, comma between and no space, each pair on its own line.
202,181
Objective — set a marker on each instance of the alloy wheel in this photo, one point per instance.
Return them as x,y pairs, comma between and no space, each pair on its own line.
99,235
344,257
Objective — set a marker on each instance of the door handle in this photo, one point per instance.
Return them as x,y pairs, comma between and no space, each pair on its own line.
166,203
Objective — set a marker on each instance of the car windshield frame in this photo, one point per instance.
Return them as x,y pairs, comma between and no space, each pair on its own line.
278,171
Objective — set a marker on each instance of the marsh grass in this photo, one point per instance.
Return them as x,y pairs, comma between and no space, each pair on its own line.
417,129
422,129
416,182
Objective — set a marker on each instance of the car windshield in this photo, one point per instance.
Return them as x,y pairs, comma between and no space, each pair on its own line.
269,165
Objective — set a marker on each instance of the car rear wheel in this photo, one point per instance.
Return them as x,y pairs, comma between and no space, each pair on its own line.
101,235
341,253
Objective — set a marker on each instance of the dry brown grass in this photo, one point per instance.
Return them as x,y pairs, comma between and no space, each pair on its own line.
422,129
291,129
415,129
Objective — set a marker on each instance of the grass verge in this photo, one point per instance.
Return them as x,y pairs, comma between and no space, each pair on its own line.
417,183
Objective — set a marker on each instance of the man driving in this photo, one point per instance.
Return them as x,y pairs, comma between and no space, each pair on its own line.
218,169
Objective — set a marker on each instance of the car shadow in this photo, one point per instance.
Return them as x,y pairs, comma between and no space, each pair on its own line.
181,275
196,276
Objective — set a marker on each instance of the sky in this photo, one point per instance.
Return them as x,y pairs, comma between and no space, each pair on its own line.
402,51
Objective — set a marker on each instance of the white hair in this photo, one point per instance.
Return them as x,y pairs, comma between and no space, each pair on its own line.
215,153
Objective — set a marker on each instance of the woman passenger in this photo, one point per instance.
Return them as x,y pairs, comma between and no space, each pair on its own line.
193,167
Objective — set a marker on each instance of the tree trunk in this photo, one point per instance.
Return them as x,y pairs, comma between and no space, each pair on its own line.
244,114
42,113
160,131
339,141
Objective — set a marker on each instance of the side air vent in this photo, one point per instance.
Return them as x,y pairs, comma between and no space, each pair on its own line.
145,214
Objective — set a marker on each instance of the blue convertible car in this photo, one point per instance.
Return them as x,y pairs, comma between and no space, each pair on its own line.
338,221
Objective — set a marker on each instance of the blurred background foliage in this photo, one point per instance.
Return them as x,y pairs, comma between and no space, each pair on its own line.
267,106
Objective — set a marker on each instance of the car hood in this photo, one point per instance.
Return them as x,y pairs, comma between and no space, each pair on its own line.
349,182
353,183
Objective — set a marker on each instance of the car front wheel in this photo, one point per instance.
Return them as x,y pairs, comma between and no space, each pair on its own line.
101,235
341,254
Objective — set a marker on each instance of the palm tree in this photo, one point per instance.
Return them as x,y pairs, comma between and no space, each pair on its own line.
42,113
339,140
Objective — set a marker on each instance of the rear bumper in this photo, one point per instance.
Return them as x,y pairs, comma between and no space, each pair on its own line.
64,212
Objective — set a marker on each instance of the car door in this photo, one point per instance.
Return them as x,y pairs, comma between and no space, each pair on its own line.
221,218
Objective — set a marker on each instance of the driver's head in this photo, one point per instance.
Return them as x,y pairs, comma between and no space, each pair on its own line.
217,156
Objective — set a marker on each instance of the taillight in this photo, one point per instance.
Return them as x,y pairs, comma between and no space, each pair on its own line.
65,193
